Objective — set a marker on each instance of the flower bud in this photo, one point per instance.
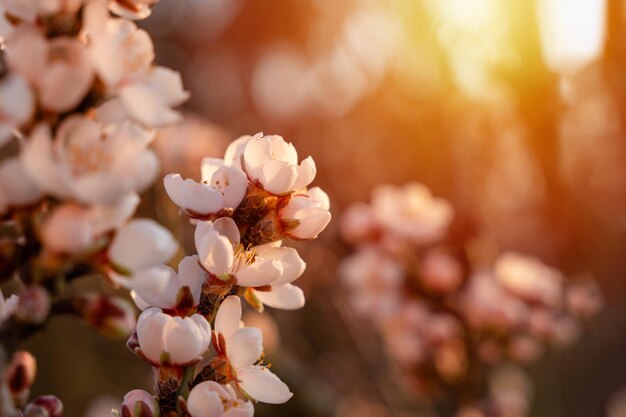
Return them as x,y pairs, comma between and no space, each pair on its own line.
307,214
112,316
44,406
20,375
33,305
67,230
139,403
210,399
164,339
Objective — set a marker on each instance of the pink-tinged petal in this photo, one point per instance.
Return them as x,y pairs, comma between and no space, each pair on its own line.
157,286
191,275
66,81
142,243
143,170
256,154
204,327
234,152
306,173
226,226
183,340
292,264
320,196
228,316
262,385
150,332
17,186
208,167
278,177
260,273
101,187
139,302
195,196
284,297
245,346
27,52
108,217
312,222
39,161
215,253
204,400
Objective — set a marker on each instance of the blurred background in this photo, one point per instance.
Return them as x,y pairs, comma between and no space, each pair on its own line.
512,110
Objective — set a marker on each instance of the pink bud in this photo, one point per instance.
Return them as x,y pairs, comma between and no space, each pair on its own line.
33,305
20,375
139,403
112,316
440,272
67,230
44,406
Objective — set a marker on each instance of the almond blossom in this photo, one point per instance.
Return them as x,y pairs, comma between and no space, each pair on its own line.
411,212
222,187
309,211
59,68
89,162
241,347
179,341
210,399
146,92
272,162
139,403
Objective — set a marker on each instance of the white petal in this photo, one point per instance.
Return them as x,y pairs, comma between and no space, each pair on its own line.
142,243
260,273
312,222
157,286
150,332
39,161
292,264
215,251
188,194
235,150
285,297
190,274
208,167
278,177
306,173
245,346
68,230
182,340
228,316
204,401
262,385
243,409
226,226
108,217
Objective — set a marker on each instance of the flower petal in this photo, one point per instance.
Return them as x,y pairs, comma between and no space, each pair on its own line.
188,194
245,346
190,274
228,316
262,385
284,297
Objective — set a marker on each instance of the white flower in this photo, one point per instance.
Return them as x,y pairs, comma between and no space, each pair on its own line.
529,278
91,163
17,105
7,306
122,55
132,9
160,286
223,255
375,282
210,399
411,212
222,187
311,211
173,340
16,186
140,244
242,347
271,161
59,68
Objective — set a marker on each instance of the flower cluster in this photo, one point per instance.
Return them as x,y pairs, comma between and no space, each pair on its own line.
207,362
80,99
443,318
